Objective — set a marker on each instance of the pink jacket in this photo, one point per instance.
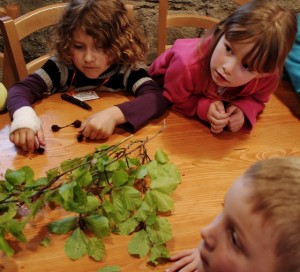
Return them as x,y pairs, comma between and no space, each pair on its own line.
179,71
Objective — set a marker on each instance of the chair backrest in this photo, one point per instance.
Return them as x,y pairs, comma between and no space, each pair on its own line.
13,31
2,12
167,20
12,10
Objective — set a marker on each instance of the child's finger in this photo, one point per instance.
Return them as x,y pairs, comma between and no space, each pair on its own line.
41,138
219,106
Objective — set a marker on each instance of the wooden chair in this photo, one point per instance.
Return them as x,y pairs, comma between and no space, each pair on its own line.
166,21
2,13
13,31
12,10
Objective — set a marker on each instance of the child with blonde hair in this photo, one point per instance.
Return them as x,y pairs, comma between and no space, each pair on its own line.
97,46
227,77
258,229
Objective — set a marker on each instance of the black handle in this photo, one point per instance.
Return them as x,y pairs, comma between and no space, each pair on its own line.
76,101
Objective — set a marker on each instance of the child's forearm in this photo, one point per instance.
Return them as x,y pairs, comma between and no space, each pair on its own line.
25,117
25,93
149,104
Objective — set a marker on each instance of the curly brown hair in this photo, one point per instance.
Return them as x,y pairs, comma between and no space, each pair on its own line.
109,23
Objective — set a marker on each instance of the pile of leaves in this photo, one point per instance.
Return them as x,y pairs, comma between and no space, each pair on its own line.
114,190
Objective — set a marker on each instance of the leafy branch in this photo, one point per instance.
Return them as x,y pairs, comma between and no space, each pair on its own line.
116,189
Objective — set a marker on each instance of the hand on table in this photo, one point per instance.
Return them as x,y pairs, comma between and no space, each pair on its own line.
237,118
185,261
27,140
101,125
217,116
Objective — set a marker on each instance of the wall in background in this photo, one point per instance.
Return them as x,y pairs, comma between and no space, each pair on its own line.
147,15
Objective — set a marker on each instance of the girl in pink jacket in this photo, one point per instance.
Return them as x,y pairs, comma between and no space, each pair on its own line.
227,77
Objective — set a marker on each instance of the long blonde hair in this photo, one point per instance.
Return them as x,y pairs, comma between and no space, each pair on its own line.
275,187
109,23
267,24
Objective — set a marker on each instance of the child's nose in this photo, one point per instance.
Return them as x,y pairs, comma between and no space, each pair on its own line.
208,237
89,56
228,67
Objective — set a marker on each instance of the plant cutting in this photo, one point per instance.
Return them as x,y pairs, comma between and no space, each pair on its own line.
115,190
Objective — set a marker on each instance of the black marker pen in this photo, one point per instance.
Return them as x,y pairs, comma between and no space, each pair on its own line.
76,101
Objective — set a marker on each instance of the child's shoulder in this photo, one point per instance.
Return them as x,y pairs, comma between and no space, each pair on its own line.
186,44
185,50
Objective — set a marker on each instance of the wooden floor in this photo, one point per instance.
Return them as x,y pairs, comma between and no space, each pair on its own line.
208,165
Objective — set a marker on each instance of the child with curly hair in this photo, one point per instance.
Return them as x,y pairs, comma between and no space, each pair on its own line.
97,46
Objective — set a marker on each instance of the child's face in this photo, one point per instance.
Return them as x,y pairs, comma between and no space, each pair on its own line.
226,64
238,240
86,56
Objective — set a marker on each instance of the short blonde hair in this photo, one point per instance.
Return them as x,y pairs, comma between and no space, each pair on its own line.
109,23
275,186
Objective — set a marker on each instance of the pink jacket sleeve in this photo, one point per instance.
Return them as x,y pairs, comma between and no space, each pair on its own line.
180,78
253,104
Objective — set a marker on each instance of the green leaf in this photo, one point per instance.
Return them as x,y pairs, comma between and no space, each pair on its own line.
51,174
15,177
161,157
144,211
45,242
36,183
151,219
112,166
16,227
158,252
142,172
83,177
92,204
128,226
63,226
163,173
119,178
10,212
8,186
3,196
79,196
4,246
70,164
76,245
139,245
96,249
100,165
98,224
40,202
117,209
29,174
160,232
133,161
35,208
129,197
163,201
66,191
110,268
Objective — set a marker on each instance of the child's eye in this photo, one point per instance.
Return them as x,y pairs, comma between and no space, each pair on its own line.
235,240
228,48
77,46
246,67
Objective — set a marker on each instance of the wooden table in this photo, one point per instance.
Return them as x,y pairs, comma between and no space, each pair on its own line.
208,165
